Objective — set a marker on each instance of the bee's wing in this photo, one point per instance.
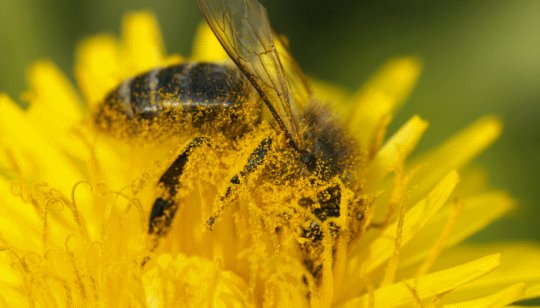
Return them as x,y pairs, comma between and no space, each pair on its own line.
243,29
298,83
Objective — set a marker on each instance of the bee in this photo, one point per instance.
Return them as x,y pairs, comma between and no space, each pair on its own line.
229,99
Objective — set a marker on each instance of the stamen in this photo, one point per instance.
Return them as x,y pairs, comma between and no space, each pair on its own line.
438,247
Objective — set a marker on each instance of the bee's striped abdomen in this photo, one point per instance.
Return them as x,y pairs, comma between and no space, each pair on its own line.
194,94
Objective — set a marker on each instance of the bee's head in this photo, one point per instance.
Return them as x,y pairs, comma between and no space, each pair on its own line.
328,149
317,166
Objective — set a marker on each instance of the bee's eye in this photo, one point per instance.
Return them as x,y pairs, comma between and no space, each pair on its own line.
309,160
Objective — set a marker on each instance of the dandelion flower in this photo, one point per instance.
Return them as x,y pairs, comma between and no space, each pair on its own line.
75,205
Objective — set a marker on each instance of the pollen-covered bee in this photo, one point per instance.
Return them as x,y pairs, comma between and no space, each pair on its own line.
231,100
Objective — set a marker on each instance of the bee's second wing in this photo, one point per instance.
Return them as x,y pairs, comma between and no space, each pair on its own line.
299,87
243,29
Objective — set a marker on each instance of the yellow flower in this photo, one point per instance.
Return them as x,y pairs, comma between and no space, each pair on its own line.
75,205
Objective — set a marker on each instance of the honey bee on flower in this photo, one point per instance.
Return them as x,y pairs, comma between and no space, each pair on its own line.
201,100
229,179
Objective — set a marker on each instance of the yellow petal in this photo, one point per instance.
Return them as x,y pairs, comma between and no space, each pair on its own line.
20,224
520,262
55,108
499,299
142,44
455,153
407,293
97,69
11,280
365,258
478,212
474,180
206,46
416,217
533,291
33,155
53,99
381,97
396,150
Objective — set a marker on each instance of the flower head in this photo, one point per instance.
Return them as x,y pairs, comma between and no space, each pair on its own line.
75,204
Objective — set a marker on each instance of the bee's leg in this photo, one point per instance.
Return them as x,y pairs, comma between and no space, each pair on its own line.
255,159
165,206
327,205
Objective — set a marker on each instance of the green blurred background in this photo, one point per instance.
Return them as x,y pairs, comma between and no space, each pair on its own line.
480,57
